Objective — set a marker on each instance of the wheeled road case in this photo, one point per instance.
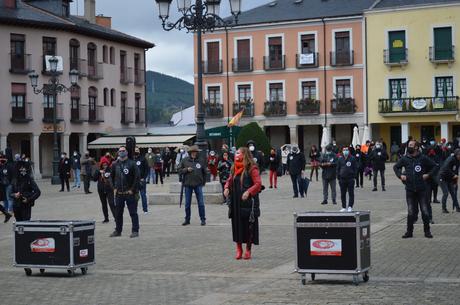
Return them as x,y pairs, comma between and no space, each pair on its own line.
50,244
333,243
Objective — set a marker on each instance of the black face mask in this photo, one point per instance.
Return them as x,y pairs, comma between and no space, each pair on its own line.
410,150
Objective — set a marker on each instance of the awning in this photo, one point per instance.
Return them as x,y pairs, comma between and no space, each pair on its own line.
141,141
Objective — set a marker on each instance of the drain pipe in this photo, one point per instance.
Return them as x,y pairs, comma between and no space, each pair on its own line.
324,71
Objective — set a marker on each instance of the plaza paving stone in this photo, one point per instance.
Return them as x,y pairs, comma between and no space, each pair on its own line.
171,264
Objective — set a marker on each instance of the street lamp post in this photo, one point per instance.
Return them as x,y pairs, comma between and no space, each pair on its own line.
201,17
53,88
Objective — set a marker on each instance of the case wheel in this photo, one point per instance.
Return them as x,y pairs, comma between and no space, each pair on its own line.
84,270
71,272
28,271
366,277
355,279
313,276
304,279
42,271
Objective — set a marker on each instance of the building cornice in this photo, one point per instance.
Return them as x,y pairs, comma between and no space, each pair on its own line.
373,11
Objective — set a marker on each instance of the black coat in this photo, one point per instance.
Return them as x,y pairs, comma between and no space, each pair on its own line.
273,162
143,166
64,168
378,158
347,168
75,160
296,163
29,191
328,164
104,180
449,169
360,160
224,170
414,169
7,173
125,176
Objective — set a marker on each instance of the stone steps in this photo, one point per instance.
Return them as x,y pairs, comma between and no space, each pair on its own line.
212,193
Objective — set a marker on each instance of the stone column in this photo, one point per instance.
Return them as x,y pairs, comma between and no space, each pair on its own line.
404,131
3,138
445,130
293,134
83,142
65,145
35,154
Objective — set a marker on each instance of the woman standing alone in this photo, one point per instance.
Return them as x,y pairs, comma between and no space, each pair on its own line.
243,187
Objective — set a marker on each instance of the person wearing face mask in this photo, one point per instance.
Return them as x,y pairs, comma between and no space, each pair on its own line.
3,194
417,170
76,167
24,192
256,154
158,166
167,160
328,163
434,153
448,180
126,183
7,171
296,165
180,156
105,189
149,156
212,165
347,168
359,157
143,168
314,161
378,157
273,165
225,164
87,165
64,172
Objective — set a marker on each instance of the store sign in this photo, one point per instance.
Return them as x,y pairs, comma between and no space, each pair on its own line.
419,104
325,247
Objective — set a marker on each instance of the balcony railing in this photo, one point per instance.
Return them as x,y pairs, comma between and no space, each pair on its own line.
398,57
96,72
21,114
139,77
212,67
80,114
343,106
275,108
243,64
418,105
274,63
96,115
126,75
247,105
48,113
20,63
79,65
308,107
342,58
442,55
127,115
213,109
139,116
310,60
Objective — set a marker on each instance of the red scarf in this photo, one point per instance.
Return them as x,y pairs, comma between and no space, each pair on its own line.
239,167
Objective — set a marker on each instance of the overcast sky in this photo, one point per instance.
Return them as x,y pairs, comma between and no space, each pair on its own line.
173,53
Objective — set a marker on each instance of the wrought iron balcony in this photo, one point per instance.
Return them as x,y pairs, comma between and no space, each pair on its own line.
126,75
418,106
21,114
139,77
79,65
442,55
274,63
95,72
213,109
212,67
343,106
308,107
127,115
398,57
79,114
310,60
48,113
247,105
243,64
342,58
20,63
96,115
275,108
140,116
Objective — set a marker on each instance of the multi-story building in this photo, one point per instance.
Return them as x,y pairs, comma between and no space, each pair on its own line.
296,66
111,88
413,69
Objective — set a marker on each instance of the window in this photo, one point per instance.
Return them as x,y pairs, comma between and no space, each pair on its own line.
276,92
92,98
17,47
243,55
342,48
106,97
444,86
18,94
398,88
244,93
75,104
397,46
343,88
123,70
443,48
105,54
137,63
214,95
92,54
123,106
213,57
48,101
275,52
309,90
137,105
307,43
112,97
49,46
112,55
74,49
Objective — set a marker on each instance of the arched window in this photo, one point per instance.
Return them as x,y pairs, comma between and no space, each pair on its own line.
92,105
105,54
112,97
112,55
74,54
75,114
106,97
92,59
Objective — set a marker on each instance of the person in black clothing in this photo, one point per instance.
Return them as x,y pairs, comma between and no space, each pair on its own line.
158,166
273,164
24,192
448,179
417,170
314,161
143,168
434,153
76,167
167,160
256,154
105,189
378,157
126,182
7,172
329,174
360,160
296,165
347,168
224,166
64,172
2,209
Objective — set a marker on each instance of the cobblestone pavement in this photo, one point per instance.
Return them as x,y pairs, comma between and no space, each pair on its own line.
171,264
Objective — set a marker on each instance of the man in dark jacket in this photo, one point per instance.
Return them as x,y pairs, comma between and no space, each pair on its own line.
448,179
76,167
378,157
328,165
24,192
87,165
417,170
347,168
167,160
126,183
64,172
143,168
361,161
296,166
193,171
434,153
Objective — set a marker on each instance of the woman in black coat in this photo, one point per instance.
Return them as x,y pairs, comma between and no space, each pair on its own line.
24,192
105,190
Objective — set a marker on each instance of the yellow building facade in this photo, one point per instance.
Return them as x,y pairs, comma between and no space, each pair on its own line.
413,72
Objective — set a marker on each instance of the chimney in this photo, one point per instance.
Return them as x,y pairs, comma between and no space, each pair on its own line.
90,10
8,3
104,21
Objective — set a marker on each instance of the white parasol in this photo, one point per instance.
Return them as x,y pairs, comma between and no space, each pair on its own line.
355,140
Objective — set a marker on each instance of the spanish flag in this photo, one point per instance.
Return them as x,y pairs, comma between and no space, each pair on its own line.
236,119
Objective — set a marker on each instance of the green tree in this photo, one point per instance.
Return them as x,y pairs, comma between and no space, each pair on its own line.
252,131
